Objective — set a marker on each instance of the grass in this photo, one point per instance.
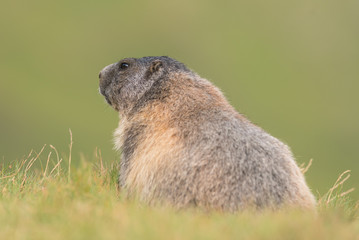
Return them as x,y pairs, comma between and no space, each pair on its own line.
57,200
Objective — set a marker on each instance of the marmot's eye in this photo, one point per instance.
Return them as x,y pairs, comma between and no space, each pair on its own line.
124,65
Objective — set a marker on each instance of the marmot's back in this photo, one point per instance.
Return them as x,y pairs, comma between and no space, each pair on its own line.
183,144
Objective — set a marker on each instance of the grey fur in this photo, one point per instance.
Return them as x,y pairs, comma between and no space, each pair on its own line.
220,160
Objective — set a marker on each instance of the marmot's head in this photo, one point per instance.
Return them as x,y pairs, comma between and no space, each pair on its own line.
132,81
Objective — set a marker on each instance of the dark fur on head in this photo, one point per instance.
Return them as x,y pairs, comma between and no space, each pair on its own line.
127,88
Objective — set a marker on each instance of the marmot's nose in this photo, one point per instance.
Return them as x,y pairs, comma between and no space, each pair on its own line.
104,72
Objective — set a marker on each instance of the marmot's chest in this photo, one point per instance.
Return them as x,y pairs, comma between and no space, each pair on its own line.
147,149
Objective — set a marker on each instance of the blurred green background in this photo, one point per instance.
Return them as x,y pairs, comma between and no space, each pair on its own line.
292,67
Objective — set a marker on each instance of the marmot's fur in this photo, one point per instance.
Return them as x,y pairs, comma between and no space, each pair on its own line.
183,144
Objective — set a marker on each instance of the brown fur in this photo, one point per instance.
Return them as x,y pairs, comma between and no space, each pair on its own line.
183,144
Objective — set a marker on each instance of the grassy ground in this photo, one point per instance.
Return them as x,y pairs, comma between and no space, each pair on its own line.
60,201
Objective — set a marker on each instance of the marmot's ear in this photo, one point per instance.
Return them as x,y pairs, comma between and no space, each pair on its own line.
155,66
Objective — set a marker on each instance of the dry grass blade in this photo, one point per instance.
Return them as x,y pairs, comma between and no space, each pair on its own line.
29,165
305,169
47,164
31,162
347,192
57,153
21,165
69,173
23,183
99,156
57,166
338,182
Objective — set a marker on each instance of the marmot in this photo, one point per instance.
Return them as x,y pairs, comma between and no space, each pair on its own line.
184,145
